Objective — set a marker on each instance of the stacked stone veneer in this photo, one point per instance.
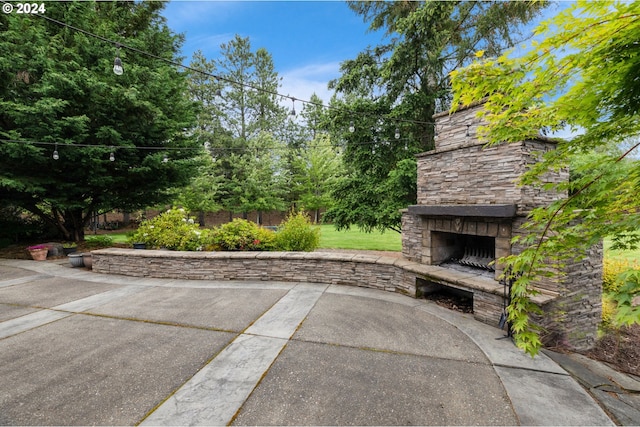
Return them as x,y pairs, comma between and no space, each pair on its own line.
371,271
391,274
461,173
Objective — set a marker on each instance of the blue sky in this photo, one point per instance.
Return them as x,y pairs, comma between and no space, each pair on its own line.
307,39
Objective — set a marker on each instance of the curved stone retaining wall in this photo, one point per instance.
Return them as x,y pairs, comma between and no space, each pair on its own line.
371,271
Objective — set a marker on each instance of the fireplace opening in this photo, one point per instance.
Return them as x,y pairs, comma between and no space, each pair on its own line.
445,296
478,252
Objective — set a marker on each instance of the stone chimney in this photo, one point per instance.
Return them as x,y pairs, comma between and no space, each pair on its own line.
470,206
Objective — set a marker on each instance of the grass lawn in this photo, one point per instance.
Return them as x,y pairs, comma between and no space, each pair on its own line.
330,238
389,241
621,255
116,237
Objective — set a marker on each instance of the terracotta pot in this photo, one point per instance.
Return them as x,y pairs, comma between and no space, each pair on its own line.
87,260
39,254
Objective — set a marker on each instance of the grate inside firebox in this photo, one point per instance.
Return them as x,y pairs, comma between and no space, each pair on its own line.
477,252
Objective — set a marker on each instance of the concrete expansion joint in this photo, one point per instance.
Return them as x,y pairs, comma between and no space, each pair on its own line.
533,370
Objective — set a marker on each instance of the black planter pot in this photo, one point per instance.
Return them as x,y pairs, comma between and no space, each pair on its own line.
139,246
68,251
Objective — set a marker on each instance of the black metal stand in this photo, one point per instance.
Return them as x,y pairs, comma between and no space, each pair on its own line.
507,282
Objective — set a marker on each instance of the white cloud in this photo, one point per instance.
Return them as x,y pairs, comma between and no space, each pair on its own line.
304,81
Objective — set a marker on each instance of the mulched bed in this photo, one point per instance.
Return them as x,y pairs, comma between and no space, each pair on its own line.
620,349
20,251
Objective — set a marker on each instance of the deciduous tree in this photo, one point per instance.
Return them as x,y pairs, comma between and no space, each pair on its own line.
581,73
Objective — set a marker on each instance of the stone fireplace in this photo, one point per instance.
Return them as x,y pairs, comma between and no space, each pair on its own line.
470,206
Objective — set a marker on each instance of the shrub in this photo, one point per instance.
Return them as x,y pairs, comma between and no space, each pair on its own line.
98,241
174,230
242,235
296,233
266,239
608,312
611,269
613,288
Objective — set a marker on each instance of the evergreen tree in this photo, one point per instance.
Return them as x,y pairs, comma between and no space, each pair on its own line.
396,87
58,93
239,124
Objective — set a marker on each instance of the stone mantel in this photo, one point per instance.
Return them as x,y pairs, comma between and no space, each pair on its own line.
487,211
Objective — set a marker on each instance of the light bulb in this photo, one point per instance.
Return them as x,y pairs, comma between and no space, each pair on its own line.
352,127
112,157
397,134
117,66
55,155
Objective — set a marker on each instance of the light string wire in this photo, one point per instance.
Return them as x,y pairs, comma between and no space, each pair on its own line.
348,113
209,147
221,78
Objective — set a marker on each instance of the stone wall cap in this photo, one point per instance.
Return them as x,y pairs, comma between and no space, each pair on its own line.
482,283
386,260
365,258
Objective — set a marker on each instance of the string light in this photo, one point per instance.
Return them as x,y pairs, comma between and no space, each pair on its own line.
217,78
119,70
199,148
117,63
293,109
112,156
55,153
